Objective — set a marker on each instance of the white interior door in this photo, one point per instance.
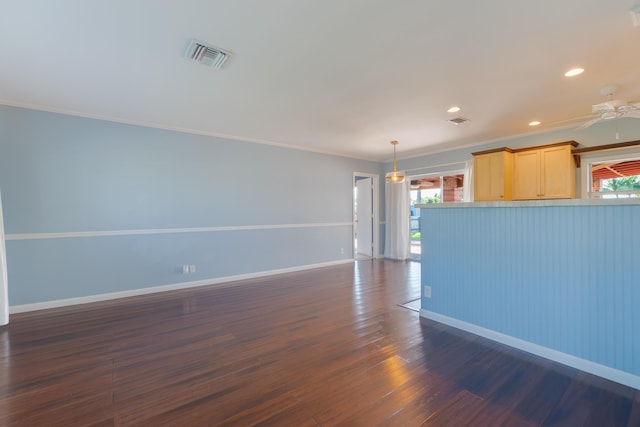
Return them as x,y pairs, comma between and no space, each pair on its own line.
364,212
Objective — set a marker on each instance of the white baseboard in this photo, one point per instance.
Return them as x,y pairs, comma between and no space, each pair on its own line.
603,371
226,281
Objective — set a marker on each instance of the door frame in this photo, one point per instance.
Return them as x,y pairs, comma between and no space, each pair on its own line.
4,282
375,207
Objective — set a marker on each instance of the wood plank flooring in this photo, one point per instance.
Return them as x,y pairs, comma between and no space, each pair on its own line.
325,347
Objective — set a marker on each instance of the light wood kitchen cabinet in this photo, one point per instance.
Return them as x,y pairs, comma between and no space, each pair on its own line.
546,172
493,175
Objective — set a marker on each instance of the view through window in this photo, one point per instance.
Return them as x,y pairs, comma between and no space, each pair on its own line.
618,178
431,189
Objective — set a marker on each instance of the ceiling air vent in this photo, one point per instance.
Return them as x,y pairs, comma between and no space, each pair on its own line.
206,55
458,120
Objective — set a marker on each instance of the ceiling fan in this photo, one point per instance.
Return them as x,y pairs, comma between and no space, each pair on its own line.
612,108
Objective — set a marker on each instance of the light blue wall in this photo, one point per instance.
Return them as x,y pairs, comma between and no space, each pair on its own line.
65,174
566,278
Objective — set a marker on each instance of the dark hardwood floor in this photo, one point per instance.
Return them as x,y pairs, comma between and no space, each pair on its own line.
318,348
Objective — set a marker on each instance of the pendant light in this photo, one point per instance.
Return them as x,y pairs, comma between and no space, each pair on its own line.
395,176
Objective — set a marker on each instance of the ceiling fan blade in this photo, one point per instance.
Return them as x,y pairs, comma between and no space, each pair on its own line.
589,123
632,113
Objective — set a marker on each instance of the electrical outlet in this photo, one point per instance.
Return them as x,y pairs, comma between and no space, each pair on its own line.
427,292
185,269
192,269
341,251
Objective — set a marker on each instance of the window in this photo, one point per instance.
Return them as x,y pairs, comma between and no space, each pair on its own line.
437,189
613,177
432,189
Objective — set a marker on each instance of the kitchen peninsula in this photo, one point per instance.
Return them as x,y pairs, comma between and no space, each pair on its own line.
557,278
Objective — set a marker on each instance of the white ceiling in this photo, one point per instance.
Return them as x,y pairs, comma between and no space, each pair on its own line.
337,76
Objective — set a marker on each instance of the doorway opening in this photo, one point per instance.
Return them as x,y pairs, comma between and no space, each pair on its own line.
365,216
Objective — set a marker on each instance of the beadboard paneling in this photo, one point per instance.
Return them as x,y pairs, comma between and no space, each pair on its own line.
563,277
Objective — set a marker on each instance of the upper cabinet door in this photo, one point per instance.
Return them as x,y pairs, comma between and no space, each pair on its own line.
558,173
526,175
492,180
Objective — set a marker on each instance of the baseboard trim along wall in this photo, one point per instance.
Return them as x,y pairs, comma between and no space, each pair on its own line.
219,282
554,355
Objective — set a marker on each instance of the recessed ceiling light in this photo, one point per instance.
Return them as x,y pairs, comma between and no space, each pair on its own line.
453,109
534,123
574,72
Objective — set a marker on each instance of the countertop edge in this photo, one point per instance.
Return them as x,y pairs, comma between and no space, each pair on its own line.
533,203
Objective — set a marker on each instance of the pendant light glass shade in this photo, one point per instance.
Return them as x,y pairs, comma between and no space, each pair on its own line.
396,176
